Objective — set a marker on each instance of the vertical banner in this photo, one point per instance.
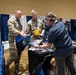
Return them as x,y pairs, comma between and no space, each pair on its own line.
72,29
0,37
0,29
4,27
28,18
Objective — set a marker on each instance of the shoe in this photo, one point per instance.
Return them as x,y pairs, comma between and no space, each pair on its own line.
17,72
7,69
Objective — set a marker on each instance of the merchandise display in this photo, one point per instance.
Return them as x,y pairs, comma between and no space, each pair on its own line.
37,58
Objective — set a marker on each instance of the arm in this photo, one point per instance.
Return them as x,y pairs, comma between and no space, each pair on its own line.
12,29
47,45
42,33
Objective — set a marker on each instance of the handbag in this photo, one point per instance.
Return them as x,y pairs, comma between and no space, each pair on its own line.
22,42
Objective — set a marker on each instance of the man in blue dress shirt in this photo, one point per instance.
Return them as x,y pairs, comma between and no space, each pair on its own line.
58,35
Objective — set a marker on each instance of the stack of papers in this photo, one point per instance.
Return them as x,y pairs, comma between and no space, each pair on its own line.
35,42
40,49
35,49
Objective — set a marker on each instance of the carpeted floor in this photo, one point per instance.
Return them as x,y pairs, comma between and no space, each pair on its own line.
23,62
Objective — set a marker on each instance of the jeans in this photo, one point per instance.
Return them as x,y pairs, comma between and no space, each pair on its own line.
65,60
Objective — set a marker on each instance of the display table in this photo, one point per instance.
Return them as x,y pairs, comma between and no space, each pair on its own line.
37,59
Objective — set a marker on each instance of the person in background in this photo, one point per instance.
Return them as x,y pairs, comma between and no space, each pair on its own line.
68,25
35,27
15,29
58,35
